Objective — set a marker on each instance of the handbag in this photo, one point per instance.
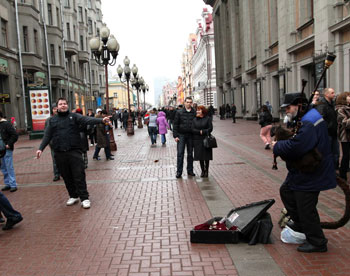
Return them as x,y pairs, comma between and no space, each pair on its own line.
209,142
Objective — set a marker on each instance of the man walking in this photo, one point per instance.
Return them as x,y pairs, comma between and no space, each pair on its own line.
233,111
64,131
10,137
326,108
182,132
300,190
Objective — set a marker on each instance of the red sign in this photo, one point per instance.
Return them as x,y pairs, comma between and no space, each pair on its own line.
40,108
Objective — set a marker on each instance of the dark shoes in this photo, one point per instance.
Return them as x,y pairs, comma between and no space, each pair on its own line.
11,222
204,174
267,147
6,188
110,158
96,158
178,175
309,248
12,190
191,174
56,178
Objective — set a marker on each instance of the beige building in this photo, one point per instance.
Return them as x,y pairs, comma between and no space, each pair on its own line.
187,69
264,49
118,95
49,45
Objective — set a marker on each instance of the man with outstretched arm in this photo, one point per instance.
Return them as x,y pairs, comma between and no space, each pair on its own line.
64,132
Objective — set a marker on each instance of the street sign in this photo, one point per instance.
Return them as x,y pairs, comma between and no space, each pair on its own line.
4,98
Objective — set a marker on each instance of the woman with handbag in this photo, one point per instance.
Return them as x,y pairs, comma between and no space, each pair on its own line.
201,128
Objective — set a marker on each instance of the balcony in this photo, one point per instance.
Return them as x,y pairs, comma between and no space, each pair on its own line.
32,61
83,56
71,48
57,72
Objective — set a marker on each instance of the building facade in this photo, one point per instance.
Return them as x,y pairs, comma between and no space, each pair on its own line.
118,95
169,94
264,49
49,46
203,62
187,69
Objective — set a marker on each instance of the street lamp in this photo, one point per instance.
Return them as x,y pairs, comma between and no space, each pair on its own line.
103,50
127,74
137,82
144,88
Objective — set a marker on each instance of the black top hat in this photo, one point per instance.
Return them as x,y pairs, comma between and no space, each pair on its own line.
293,99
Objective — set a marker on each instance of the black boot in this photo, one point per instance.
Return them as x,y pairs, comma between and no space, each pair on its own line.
206,171
202,168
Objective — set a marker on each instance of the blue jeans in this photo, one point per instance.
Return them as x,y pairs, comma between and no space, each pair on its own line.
185,140
7,209
8,170
153,133
163,138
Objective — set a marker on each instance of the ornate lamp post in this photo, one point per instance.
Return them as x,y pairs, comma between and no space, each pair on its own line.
127,75
103,50
144,88
137,82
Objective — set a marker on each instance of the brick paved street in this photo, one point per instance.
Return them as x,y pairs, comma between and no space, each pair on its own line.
141,215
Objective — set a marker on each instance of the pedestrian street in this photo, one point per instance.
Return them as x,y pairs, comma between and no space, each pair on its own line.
140,217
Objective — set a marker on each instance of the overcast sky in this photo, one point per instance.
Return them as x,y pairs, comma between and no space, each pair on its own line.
152,33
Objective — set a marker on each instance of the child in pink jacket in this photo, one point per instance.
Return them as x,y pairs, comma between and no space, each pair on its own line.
162,126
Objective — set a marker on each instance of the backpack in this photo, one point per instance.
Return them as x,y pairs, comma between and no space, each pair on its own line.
2,147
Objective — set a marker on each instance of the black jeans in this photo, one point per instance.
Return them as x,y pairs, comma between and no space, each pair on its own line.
344,165
301,207
234,117
185,140
71,167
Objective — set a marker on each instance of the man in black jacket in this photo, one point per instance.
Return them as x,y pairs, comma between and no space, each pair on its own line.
64,132
182,132
171,119
10,137
326,108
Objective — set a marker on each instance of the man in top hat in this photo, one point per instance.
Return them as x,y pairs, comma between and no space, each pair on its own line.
300,191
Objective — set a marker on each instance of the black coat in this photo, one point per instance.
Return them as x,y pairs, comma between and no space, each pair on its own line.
64,131
265,118
8,133
327,110
204,124
183,122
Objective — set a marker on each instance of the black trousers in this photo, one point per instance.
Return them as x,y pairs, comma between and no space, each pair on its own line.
234,117
344,165
72,168
301,207
185,141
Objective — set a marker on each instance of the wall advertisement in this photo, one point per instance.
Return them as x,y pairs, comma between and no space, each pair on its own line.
39,107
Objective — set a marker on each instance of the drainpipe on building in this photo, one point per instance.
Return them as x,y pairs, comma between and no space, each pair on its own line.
91,103
21,67
47,48
63,48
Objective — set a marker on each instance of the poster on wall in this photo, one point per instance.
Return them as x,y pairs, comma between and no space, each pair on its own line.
39,107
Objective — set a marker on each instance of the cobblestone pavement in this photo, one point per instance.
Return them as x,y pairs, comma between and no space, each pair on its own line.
141,215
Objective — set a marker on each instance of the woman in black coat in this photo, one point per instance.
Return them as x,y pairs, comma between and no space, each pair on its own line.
201,127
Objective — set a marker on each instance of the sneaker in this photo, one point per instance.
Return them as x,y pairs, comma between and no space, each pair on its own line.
71,201
86,204
14,189
6,188
11,222
110,158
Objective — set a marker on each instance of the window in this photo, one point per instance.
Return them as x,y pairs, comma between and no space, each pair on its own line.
90,26
68,32
306,11
93,76
36,41
89,4
86,16
25,39
74,69
59,55
52,54
58,17
49,13
3,41
81,18
95,25
81,43
74,33
273,21
100,79
66,3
